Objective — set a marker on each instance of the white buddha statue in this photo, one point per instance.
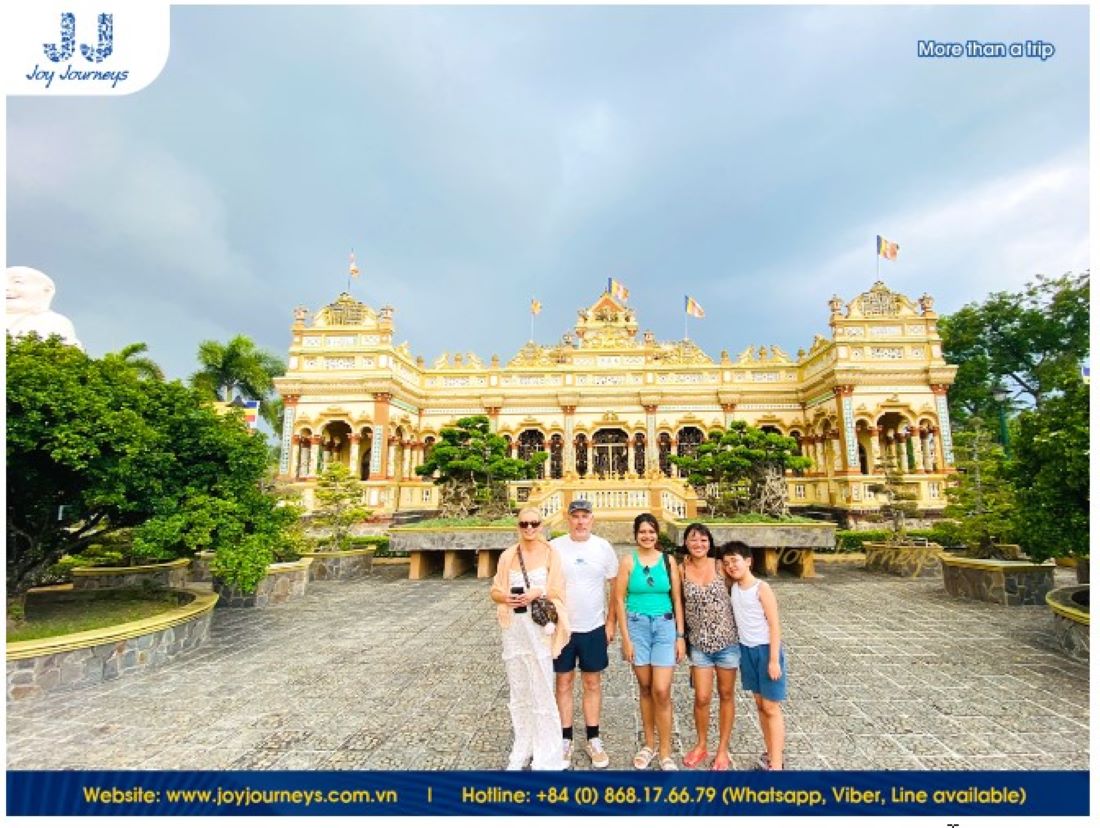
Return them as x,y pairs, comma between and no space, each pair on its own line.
29,294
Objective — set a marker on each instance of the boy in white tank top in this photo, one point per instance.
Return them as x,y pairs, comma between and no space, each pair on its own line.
763,662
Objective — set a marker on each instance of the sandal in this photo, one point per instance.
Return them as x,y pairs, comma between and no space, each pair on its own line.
644,757
695,757
668,764
722,762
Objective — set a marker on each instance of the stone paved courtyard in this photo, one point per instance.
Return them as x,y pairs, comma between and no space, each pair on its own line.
384,673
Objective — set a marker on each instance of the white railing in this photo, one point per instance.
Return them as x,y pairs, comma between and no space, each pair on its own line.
673,504
551,506
614,500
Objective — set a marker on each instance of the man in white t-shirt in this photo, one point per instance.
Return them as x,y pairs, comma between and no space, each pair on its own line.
590,566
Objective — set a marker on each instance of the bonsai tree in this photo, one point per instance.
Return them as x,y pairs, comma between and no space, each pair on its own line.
899,497
982,497
339,500
743,469
474,468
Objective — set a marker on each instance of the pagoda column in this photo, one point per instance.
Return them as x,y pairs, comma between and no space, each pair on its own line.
876,451
568,449
652,457
391,458
848,447
314,455
353,457
379,468
727,413
946,446
407,456
286,444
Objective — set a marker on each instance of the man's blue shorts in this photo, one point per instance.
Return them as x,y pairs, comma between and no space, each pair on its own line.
587,648
754,672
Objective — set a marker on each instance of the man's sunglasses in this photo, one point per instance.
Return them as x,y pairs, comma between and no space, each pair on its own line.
530,524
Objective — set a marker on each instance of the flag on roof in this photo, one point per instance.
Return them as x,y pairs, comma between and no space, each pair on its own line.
886,248
353,268
693,308
618,290
536,307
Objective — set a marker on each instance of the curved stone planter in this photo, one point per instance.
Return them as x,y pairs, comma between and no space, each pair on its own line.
340,566
456,549
786,546
901,559
1013,583
283,583
170,574
1071,620
46,665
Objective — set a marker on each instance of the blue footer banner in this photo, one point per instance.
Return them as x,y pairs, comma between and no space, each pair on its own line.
614,793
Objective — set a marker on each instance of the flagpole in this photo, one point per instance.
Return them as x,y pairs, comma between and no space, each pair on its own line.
532,326
685,326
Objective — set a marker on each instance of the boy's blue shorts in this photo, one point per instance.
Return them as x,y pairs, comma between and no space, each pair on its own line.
754,672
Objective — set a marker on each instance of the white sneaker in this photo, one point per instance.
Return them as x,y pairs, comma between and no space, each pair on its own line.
567,751
517,763
595,751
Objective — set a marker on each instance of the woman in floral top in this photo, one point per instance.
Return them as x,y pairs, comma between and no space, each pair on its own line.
712,644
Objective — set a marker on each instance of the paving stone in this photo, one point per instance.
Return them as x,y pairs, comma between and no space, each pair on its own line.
383,673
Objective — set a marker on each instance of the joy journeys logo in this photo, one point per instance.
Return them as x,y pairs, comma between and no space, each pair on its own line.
65,48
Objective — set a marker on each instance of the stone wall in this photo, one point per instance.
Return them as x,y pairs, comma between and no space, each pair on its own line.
171,574
200,566
907,561
340,566
99,655
1070,606
1014,583
283,583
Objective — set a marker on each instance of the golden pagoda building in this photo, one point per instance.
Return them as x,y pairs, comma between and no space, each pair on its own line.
611,406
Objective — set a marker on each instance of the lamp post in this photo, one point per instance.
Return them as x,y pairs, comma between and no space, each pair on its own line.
1001,396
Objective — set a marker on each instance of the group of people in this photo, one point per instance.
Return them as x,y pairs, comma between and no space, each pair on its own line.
710,609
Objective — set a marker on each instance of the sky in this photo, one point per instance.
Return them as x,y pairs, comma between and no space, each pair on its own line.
477,157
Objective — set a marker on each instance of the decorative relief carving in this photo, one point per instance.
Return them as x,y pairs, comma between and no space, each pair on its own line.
311,341
879,301
887,353
765,376
344,311
340,341
852,330
917,353
885,330
914,330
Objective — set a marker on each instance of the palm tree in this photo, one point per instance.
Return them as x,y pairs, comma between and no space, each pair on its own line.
235,367
142,366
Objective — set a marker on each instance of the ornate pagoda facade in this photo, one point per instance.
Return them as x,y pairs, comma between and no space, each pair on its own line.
611,405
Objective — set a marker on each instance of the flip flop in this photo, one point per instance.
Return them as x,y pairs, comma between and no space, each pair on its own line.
722,762
694,758
644,757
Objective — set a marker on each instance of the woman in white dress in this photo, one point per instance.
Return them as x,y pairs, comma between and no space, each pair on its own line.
529,649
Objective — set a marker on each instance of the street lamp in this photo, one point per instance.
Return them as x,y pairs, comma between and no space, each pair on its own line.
1000,395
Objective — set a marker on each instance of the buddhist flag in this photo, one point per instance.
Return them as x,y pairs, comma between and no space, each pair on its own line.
536,307
887,249
693,308
353,268
618,290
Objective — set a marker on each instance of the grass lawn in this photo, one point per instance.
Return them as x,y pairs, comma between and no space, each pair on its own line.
68,613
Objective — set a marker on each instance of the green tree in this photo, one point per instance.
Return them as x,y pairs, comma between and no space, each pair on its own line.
134,356
1029,343
237,367
339,503
982,495
93,447
899,498
743,469
1051,470
473,468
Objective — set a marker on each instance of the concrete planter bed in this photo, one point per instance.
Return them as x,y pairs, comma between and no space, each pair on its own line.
1070,606
170,574
341,565
785,546
1013,583
283,583
903,559
46,665
454,550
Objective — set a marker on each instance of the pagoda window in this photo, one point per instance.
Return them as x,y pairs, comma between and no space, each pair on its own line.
529,442
556,465
582,454
688,440
664,451
639,454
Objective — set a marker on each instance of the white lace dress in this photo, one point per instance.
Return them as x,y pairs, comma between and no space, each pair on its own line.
530,669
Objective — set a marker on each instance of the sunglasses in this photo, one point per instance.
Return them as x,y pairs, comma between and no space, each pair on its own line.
530,524
648,578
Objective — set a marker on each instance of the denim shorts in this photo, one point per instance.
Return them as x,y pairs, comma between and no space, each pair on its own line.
654,639
754,672
728,658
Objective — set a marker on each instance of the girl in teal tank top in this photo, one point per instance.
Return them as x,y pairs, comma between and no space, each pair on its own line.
648,591
651,623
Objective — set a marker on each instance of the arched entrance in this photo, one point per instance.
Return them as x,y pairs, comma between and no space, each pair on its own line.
609,452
